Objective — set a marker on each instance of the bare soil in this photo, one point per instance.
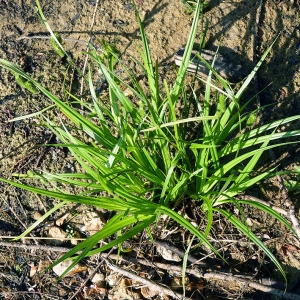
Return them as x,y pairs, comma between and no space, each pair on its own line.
245,27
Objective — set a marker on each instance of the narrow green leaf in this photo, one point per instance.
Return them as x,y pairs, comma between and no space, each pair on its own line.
246,231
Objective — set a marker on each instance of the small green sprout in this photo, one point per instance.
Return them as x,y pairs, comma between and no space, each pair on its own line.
251,119
191,5
26,84
56,47
109,51
221,105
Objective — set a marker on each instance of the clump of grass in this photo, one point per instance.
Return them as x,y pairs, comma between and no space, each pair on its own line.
140,155
192,4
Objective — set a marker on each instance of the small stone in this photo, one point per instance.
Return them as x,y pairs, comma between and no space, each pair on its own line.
36,215
99,280
249,222
62,267
57,234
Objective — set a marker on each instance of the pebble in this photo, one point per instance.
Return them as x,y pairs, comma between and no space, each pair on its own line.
36,215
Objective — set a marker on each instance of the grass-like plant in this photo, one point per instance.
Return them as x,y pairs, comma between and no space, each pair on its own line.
140,163
192,4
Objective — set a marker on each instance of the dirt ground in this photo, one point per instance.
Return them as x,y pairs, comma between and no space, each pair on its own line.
245,27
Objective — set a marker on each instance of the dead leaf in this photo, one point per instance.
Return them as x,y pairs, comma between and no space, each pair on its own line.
176,282
93,290
33,270
93,222
289,248
149,293
43,265
60,268
62,220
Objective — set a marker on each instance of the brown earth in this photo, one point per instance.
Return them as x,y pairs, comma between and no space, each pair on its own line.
245,27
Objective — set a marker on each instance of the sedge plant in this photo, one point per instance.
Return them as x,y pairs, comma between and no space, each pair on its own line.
140,163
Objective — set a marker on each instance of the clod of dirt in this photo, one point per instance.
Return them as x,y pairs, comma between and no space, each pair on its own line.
43,265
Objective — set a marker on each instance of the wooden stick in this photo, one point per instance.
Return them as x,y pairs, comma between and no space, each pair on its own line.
151,284
241,279
257,286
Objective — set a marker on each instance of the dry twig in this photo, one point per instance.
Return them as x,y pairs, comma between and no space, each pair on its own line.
277,209
251,284
91,275
294,220
151,284
241,279
287,213
90,37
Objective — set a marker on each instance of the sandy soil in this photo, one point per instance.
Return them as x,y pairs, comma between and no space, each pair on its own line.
245,27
